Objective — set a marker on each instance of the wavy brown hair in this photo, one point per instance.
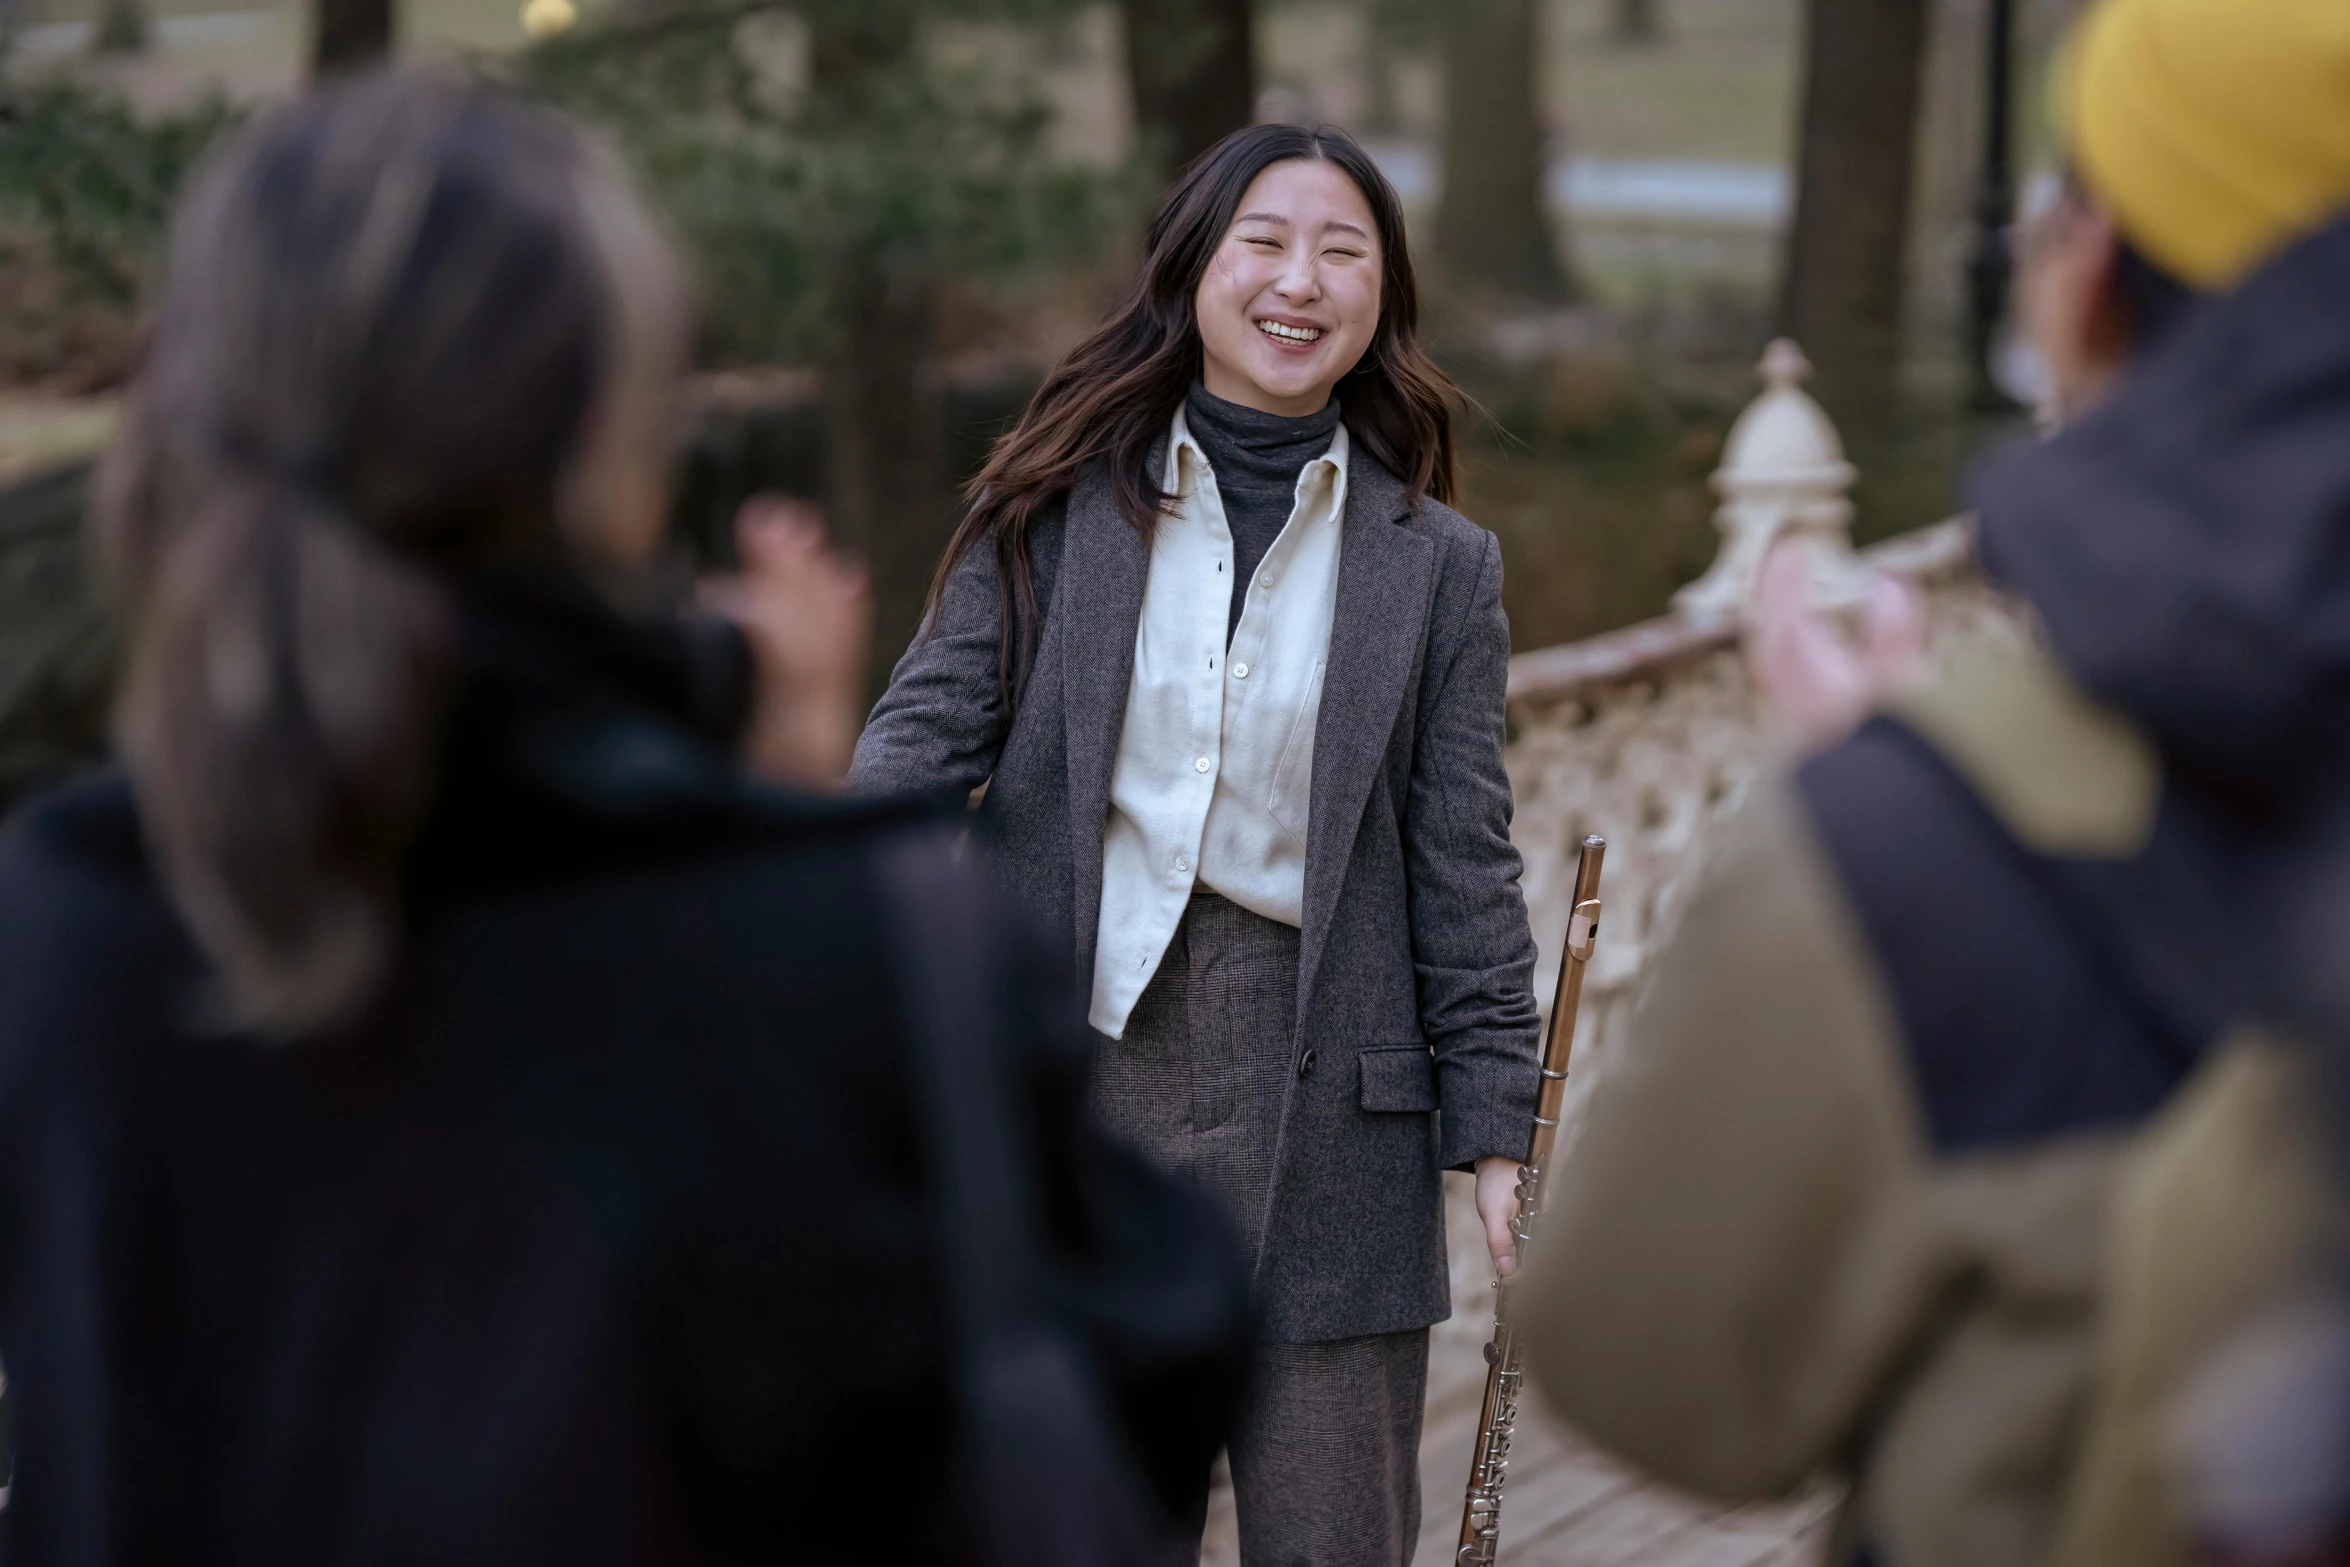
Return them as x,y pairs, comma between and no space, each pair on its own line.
411,333
1115,393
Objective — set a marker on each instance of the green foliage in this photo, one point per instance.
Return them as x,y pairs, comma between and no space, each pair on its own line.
889,151
915,144
92,183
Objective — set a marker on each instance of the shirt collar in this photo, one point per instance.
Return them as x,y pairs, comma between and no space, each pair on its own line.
1332,462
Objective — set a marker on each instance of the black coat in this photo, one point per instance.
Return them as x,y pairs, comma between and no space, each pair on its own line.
607,1236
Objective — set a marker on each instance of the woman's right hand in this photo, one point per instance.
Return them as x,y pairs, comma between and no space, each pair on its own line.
806,609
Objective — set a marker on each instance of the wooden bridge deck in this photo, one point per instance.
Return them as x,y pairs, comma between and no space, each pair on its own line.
1567,1505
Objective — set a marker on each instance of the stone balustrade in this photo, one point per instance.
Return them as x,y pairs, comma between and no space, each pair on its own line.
1650,734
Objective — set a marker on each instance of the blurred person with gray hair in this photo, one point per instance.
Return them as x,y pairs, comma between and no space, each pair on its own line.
450,1109
1964,1141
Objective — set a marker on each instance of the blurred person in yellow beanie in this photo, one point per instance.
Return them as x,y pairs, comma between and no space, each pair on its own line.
2203,137
1964,1143
2215,132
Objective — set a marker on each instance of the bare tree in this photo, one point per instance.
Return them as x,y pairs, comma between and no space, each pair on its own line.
1393,30
1192,65
1842,292
1493,232
884,417
1637,22
1382,111
122,27
351,35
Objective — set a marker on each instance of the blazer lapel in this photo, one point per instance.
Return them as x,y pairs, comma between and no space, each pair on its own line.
1104,567
1376,630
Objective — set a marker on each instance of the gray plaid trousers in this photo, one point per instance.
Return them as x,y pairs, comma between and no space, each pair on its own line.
1325,1464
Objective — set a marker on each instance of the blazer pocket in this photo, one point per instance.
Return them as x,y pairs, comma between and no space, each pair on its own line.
1293,771
1399,1077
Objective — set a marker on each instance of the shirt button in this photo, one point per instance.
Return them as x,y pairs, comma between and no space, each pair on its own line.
1202,765
1265,581
1240,671
1305,1065
1183,865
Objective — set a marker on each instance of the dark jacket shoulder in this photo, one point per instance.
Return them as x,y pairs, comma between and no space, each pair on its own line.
1439,523
2016,1022
1381,491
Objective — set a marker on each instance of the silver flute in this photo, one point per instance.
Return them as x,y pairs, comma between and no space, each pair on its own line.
1504,1355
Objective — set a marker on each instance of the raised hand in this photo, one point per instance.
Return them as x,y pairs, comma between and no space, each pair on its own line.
807,610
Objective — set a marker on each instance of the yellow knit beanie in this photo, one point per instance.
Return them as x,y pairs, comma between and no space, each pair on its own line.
2215,132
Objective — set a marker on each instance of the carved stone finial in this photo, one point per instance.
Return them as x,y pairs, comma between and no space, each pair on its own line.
1783,470
1784,365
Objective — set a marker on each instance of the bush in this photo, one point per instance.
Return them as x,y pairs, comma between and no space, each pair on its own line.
905,163
86,189
888,160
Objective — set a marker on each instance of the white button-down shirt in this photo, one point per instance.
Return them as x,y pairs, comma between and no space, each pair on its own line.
1215,764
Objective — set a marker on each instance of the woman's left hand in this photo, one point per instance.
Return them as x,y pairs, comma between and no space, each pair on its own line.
1497,1205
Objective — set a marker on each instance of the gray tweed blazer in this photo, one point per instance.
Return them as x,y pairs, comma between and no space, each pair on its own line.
1416,1022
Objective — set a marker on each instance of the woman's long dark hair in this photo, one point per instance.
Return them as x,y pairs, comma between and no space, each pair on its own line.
1116,392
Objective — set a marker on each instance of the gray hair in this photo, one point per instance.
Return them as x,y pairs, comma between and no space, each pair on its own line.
406,327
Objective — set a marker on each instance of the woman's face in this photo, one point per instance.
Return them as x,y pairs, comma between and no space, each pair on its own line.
1290,300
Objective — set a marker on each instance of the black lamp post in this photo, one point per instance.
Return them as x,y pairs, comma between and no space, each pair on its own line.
1992,265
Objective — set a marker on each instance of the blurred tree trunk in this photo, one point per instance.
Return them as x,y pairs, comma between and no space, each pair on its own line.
1637,22
884,465
1493,232
1192,66
1842,293
352,35
1382,106
884,460
122,27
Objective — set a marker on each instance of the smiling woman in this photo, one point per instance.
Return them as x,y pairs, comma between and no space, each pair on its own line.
1232,672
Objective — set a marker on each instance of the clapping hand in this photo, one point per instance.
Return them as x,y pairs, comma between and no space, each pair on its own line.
1818,681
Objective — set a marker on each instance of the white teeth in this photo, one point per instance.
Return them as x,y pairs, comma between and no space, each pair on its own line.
1290,334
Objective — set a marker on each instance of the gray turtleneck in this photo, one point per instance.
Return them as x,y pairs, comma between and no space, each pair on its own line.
1256,458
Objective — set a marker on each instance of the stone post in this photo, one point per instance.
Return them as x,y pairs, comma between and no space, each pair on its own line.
1783,471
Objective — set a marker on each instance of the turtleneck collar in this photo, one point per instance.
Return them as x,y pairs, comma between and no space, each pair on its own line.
1254,449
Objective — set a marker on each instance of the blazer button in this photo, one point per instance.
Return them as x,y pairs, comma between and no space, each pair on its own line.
1305,1065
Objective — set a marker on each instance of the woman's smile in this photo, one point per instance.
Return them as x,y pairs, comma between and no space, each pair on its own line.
1289,334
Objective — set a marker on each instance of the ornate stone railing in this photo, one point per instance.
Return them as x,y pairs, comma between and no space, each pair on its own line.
1650,734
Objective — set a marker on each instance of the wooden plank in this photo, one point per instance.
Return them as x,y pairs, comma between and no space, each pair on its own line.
1644,1525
